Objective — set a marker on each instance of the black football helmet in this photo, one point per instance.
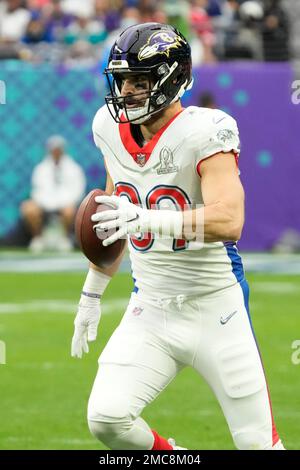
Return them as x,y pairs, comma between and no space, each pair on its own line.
158,51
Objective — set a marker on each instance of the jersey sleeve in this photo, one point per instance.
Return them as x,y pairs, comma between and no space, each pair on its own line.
218,132
100,128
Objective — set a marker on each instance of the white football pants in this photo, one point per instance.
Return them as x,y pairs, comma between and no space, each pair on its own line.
155,340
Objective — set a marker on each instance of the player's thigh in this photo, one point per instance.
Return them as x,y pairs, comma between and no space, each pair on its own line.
134,367
229,360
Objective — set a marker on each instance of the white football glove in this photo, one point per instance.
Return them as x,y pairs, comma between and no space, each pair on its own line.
130,219
86,325
125,216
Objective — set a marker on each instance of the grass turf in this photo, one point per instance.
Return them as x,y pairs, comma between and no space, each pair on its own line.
44,391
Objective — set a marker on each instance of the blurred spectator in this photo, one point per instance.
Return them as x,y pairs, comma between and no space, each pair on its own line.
80,54
207,100
214,7
34,5
58,185
160,16
275,32
14,19
292,8
178,15
129,17
78,7
216,29
108,13
36,30
56,21
83,27
201,25
230,18
147,10
249,38
239,30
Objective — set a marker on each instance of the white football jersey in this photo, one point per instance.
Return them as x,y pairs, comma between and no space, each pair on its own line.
166,173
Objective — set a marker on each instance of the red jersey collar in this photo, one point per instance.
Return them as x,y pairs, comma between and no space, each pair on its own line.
141,154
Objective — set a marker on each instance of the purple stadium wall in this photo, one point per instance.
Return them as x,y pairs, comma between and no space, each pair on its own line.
259,97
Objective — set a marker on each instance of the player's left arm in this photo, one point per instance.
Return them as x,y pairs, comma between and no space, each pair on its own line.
222,216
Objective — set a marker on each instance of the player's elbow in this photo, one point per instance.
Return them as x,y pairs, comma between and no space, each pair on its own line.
235,222
234,230
237,232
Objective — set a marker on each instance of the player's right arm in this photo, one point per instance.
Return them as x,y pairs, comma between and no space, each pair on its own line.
89,308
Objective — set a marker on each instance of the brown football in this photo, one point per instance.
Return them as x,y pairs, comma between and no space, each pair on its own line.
90,244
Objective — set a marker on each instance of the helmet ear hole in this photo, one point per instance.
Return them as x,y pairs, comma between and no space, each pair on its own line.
178,79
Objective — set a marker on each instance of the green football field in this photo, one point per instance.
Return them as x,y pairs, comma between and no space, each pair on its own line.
44,391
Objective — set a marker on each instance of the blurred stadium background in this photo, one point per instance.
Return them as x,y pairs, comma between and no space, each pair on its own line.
246,56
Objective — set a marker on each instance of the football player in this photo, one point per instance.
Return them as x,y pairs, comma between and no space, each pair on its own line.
175,192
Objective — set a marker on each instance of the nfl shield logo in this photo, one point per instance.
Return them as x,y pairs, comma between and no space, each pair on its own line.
141,159
137,311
